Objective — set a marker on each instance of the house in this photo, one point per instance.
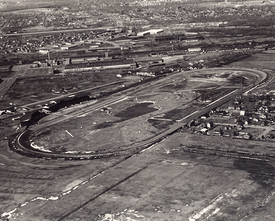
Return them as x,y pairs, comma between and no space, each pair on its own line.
255,119
262,116
210,124
204,131
240,127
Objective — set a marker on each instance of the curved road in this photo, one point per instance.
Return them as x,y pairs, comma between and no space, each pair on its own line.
22,142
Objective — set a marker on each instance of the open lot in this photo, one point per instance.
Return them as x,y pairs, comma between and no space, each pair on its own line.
50,86
227,144
258,61
164,183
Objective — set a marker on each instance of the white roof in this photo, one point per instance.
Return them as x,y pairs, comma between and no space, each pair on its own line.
152,31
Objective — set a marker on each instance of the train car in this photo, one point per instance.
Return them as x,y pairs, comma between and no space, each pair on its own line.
77,61
92,59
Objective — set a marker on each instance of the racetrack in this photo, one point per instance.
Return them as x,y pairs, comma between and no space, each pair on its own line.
22,142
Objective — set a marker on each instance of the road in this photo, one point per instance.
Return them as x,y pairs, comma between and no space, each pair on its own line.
7,83
21,143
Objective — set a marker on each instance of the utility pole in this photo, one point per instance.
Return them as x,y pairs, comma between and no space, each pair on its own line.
49,58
